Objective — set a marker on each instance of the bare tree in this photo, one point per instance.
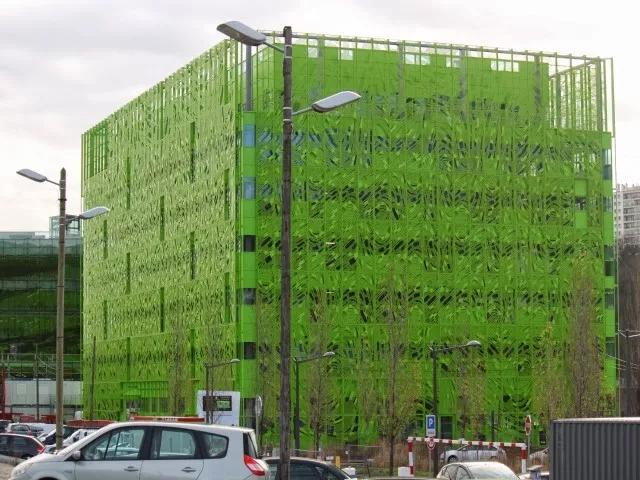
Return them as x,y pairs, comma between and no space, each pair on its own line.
399,400
367,383
471,383
268,367
178,384
550,399
582,353
318,382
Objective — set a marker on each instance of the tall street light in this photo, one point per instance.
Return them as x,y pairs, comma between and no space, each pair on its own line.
434,355
296,415
207,402
252,38
62,225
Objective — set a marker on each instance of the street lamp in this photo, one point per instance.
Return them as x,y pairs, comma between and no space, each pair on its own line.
434,355
62,224
207,404
252,38
296,415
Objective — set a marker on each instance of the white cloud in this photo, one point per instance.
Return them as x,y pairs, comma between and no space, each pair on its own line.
65,65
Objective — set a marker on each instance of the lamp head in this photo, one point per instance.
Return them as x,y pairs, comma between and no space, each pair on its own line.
94,212
473,343
329,354
31,175
242,33
337,100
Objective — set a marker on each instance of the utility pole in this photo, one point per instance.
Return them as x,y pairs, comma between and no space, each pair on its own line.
93,380
628,374
36,368
285,273
62,224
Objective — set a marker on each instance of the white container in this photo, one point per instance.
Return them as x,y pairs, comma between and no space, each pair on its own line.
404,472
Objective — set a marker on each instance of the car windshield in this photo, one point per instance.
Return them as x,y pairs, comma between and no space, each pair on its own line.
495,470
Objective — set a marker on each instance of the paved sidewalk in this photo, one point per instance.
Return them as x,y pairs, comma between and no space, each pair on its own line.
5,471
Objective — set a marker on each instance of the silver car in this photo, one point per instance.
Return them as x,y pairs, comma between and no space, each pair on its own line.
152,451
473,470
473,453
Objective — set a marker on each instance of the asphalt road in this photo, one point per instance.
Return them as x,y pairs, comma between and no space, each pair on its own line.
5,471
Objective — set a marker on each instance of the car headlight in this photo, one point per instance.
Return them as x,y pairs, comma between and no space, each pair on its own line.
20,469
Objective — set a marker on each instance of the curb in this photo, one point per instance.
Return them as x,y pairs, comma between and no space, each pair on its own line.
10,460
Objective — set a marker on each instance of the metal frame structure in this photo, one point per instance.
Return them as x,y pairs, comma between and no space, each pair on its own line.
485,170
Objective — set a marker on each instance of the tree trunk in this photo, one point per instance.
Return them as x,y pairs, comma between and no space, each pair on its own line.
392,446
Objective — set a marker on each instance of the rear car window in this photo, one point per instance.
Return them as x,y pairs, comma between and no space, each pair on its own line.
250,445
214,446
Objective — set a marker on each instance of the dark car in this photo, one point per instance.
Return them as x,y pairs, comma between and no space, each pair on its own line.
19,446
3,425
306,469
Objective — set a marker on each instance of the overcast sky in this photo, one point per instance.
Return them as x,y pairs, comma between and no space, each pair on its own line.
67,64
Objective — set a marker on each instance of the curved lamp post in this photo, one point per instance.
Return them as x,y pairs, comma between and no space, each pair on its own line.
62,224
252,38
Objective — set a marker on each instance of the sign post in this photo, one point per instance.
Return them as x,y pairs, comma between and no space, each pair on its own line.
431,426
527,430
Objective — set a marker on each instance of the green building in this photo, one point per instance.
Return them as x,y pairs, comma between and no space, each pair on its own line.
478,173
28,301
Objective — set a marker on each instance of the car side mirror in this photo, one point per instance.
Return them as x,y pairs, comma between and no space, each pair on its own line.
77,455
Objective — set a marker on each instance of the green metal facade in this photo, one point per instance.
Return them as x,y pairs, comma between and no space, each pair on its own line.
483,171
28,279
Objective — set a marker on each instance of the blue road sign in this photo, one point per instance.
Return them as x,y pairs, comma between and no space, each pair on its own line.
431,425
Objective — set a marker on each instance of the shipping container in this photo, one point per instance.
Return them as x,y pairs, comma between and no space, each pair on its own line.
595,448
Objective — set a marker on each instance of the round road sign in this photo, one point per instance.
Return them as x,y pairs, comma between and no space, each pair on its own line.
431,444
527,425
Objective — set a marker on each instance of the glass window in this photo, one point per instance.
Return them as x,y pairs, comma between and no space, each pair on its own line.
249,188
97,449
124,444
249,243
462,474
273,470
172,444
215,446
326,474
4,440
19,441
302,472
249,296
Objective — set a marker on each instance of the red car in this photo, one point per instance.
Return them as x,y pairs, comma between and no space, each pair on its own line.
19,446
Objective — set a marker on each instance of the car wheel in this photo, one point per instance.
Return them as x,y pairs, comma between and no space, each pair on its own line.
452,459
26,456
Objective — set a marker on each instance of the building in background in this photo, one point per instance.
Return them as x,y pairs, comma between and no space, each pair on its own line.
627,213
479,174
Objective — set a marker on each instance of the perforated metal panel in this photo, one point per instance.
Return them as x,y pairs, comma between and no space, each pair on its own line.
481,170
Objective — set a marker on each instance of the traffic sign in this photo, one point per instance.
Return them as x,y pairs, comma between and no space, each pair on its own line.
431,426
527,425
431,444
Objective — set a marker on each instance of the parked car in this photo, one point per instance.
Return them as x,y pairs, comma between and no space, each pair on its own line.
19,446
3,425
151,450
20,429
50,438
306,469
473,453
471,470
